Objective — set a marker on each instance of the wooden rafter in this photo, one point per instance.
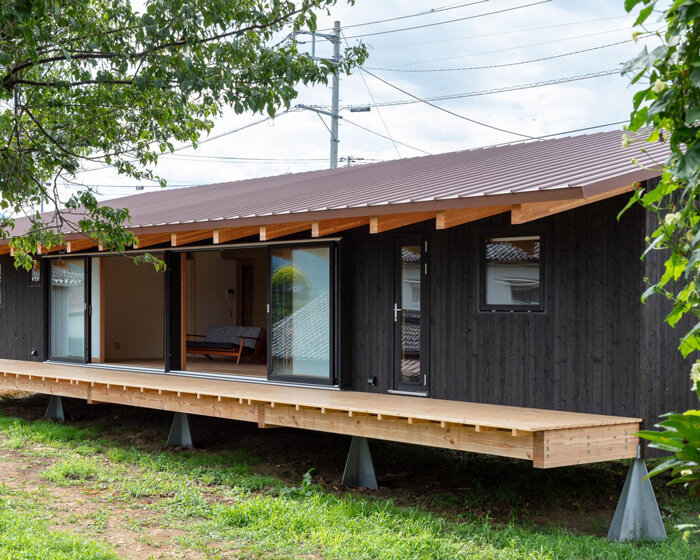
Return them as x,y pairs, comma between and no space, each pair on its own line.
5,249
231,234
523,213
184,237
274,231
76,245
445,219
150,239
322,228
379,224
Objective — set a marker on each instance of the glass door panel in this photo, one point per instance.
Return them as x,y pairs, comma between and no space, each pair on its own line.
67,330
300,313
409,314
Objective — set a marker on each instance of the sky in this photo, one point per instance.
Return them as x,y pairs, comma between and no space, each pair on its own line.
502,33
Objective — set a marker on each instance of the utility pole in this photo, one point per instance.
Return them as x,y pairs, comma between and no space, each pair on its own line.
336,95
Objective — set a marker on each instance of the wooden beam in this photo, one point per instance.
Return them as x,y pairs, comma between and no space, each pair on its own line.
231,234
150,239
322,228
523,213
80,245
274,231
5,249
184,237
379,224
445,219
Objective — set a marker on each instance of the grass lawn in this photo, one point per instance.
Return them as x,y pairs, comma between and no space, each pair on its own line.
103,487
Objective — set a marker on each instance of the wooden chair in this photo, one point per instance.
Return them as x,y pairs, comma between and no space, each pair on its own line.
231,341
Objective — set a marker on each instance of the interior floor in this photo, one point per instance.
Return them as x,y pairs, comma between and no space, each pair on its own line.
202,364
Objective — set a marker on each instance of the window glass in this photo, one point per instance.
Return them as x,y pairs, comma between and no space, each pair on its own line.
513,273
300,309
67,324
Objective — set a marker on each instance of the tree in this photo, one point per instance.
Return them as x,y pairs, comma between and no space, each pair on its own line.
96,81
669,106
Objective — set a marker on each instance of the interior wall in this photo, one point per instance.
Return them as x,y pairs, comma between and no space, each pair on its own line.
258,258
214,291
134,310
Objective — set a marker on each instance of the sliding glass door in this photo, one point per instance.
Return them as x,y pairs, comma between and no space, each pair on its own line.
300,314
68,310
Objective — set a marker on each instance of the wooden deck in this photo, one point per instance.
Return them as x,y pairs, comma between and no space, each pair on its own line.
546,437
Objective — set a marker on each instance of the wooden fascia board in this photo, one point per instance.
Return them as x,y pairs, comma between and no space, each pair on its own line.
523,213
80,245
231,234
322,228
185,237
273,231
379,224
150,239
445,219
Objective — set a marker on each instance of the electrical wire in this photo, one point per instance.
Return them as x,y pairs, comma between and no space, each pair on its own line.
463,95
417,14
497,34
428,102
385,137
513,8
420,70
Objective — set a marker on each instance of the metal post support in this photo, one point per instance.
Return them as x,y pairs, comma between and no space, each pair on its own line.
359,470
54,411
637,514
335,100
180,432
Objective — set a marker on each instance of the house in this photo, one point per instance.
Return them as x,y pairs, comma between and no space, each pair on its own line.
485,300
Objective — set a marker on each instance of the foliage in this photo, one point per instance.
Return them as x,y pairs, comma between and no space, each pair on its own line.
94,82
669,105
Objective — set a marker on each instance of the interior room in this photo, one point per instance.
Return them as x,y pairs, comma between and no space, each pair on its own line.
128,327
226,311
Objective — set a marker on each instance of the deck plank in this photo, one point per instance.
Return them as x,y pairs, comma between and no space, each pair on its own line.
441,411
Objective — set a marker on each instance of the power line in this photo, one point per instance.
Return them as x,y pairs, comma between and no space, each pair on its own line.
463,95
385,137
417,14
498,33
381,117
517,47
418,70
233,159
544,136
427,102
449,21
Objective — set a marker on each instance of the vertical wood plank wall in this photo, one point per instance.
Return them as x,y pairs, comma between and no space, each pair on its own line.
581,354
21,313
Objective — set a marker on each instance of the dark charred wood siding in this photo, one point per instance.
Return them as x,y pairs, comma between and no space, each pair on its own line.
21,314
581,354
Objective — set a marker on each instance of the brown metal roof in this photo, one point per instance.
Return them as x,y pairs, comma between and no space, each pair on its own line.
562,168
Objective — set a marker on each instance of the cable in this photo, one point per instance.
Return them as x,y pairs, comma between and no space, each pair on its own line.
449,21
555,134
381,117
385,137
498,65
499,33
234,159
518,47
417,99
423,13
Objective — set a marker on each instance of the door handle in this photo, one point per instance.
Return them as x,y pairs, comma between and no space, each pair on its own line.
396,312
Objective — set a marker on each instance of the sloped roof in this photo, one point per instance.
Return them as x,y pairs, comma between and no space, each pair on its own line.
583,165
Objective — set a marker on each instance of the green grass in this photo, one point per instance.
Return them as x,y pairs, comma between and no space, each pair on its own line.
221,503
24,535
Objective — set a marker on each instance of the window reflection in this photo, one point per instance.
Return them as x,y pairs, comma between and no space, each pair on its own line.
513,272
300,311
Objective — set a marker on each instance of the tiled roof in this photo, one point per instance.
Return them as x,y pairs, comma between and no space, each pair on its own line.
503,251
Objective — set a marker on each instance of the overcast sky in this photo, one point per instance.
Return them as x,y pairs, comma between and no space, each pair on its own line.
523,30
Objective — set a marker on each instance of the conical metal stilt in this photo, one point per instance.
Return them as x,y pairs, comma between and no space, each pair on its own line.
637,516
180,432
359,470
54,411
